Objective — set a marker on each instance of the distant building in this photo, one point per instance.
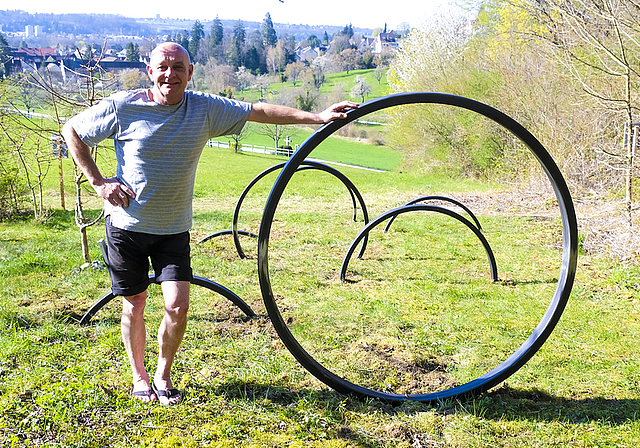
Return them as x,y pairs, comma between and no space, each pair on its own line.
30,59
367,44
306,54
385,41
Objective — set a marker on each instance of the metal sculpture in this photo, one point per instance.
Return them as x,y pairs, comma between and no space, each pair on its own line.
410,208
548,320
443,199
199,281
308,164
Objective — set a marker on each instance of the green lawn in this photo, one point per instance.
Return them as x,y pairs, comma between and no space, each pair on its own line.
342,80
417,313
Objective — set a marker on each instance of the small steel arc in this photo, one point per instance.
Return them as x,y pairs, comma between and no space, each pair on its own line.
411,208
308,164
443,199
199,281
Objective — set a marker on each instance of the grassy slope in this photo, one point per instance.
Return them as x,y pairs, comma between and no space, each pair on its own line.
333,80
417,307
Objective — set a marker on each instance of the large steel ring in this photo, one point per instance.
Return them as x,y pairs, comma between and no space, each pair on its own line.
553,312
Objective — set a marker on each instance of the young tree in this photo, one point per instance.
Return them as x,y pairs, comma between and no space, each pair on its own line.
27,148
361,88
274,132
293,72
378,73
601,43
88,94
308,101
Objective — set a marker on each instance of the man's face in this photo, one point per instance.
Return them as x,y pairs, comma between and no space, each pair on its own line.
170,71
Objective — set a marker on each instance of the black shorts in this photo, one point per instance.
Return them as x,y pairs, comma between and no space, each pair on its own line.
129,254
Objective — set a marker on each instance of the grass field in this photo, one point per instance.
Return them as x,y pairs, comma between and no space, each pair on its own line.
417,313
343,81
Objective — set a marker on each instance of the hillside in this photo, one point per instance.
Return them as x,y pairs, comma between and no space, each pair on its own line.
96,25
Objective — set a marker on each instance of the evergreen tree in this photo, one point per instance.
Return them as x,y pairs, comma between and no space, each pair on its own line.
216,39
197,34
348,31
133,52
181,39
5,57
268,32
252,60
217,32
236,55
313,41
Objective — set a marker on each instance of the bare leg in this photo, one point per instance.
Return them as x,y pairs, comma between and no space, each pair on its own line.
171,332
134,337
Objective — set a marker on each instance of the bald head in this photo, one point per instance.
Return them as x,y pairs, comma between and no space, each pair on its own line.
170,71
169,47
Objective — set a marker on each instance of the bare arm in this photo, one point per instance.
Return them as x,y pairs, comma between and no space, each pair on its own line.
109,189
274,114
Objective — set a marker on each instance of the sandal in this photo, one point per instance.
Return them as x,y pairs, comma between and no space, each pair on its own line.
149,394
168,394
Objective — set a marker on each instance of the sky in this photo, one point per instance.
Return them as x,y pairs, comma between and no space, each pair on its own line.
328,12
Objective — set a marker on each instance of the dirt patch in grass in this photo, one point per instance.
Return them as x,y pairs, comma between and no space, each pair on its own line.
423,377
604,225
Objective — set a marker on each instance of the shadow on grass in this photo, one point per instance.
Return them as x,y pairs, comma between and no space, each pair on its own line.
534,404
503,403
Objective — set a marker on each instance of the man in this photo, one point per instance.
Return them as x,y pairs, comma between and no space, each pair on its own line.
159,134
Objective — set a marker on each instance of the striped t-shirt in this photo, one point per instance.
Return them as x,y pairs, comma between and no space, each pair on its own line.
157,150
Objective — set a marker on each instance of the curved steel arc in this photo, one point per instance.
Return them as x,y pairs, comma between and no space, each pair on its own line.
307,164
551,315
226,232
419,207
199,281
439,198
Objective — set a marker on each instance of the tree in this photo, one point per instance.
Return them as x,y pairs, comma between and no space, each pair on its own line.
313,41
5,57
293,72
274,132
197,34
236,54
277,58
216,39
351,59
268,32
361,88
307,102
237,138
133,52
348,31
27,148
131,79
217,32
601,43
378,73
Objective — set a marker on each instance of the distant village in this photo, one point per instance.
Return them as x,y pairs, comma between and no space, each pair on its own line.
59,49
115,59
